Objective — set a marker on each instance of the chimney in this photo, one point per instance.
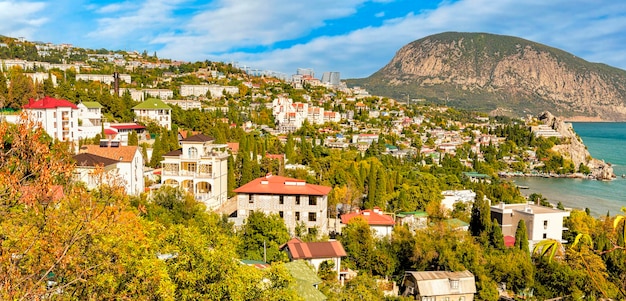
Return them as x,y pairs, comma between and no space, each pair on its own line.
116,83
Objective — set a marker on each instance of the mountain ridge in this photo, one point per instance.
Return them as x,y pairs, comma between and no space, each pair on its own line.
487,72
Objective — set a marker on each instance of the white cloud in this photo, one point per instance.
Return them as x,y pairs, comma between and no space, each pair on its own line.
591,30
19,19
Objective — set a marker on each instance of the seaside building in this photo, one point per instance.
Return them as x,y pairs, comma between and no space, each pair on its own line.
541,222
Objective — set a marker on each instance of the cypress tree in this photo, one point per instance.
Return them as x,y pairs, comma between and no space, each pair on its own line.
521,237
495,236
231,181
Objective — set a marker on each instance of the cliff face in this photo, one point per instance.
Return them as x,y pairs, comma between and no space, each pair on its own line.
477,70
576,150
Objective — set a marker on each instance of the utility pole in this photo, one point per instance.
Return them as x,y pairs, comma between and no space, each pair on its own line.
264,252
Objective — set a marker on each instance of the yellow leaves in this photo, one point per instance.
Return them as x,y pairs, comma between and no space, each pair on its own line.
621,219
550,247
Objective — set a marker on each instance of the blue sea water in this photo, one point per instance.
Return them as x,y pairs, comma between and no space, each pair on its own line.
605,141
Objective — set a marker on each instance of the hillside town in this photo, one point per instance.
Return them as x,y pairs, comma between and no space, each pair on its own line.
369,196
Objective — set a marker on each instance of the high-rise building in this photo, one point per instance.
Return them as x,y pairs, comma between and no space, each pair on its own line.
331,78
306,71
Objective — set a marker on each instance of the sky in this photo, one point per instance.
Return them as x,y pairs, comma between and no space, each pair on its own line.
353,37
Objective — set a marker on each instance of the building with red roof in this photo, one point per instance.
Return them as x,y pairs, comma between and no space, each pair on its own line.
378,221
58,117
315,252
292,199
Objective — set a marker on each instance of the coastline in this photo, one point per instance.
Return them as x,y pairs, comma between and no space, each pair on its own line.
586,119
576,175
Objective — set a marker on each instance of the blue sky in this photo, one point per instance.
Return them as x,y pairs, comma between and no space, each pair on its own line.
354,37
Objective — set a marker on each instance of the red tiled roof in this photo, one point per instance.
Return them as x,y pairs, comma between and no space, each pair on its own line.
372,217
282,185
122,153
49,103
110,132
309,250
233,146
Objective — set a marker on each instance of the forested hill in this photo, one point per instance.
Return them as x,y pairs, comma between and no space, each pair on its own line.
486,72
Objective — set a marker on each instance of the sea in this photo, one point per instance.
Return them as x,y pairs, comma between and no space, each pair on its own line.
605,141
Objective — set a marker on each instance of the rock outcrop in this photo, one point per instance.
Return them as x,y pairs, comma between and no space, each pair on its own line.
574,149
480,71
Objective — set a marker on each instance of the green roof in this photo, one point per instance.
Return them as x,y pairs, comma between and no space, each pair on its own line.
474,174
456,223
92,105
152,104
416,213
305,279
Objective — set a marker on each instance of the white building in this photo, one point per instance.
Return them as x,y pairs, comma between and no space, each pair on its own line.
200,168
381,223
154,110
450,197
185,104
130,164
58,117
541,222
216,91
89,119
103,78
294,200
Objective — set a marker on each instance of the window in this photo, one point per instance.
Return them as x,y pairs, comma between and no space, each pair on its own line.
454,284
281,200
428,298
545,225
545,235
312,216
193,152
297,215
250,200
312,200
297,200
280,213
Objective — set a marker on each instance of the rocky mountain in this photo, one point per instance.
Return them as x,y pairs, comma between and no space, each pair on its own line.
505,74
574,149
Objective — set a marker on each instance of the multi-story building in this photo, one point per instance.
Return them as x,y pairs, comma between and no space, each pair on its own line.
331,78
103,78
200,168
89,119
296,201
541,222
58,117
215,91
155,110
130,164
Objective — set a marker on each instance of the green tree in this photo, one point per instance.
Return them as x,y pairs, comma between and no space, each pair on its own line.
261,236
521,237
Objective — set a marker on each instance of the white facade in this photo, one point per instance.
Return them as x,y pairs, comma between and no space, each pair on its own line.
541,222
90,119
216,91
130,166
59,118
103,78
200,168
154,110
